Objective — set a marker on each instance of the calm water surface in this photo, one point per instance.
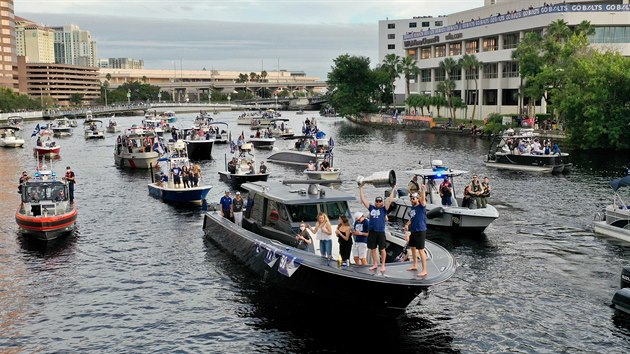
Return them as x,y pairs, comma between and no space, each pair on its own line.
137,275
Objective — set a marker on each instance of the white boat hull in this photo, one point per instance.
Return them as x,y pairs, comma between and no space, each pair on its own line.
602,228
136,160
12,142
323,175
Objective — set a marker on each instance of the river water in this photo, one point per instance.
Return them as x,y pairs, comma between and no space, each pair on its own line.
137,274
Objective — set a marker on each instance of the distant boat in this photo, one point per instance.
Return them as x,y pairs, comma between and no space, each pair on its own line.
48,148
11,137
62,127
614,219
93,129
134,148
238,170
112,126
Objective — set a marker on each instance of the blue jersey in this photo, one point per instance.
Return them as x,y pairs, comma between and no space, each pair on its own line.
377,218
361,226
418,218
225,203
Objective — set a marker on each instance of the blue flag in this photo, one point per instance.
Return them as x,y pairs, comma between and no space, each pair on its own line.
36,130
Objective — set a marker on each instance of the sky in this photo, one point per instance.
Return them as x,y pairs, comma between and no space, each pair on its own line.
234,35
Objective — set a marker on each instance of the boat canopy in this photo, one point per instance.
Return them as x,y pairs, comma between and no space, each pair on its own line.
621,182
89,121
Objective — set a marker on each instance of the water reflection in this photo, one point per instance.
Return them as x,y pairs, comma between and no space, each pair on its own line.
62,245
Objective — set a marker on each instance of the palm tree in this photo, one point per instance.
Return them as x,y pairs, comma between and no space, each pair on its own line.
409,69
470,63
391,64
263,75
585,28
448,65
559,30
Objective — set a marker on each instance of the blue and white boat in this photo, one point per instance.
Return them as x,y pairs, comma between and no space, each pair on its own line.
170,192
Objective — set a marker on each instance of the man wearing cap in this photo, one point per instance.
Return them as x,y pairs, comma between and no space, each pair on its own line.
237,209
226,206
376,233
417,226
360,232
69,177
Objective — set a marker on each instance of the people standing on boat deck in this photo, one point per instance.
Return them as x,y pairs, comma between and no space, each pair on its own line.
60,195
311,166
226,206
237,209
413,185
250,168
486,191
325,165
240,141
324,232
417,225
185,176
476,189
195,175
177,175
23,179
303,238
39,141
360,232
536,147
163,179
467,199
344,232
376,234
446,192
263,167
70,178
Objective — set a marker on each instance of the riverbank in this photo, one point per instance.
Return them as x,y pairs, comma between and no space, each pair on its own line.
424,123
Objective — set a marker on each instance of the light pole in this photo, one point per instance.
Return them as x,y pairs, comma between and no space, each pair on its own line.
160,97
275,96
129,96
229,98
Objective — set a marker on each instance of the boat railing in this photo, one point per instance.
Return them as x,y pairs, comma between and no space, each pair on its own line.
619,202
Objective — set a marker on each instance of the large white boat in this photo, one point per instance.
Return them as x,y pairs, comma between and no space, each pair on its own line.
242,168
136,148
454,217
614,220
62,127
11,137
306,149
93,129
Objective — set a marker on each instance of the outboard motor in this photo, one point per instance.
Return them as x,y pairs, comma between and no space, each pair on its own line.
621,299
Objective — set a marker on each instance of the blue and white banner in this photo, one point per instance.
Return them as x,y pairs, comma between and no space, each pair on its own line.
288,265
36,130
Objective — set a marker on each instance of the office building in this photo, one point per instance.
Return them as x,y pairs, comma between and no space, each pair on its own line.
74,46
8,60
492,33
121,63
34,41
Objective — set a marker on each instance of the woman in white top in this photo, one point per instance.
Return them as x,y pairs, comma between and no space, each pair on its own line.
324,232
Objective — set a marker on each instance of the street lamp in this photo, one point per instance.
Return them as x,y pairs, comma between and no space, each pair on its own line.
229,98
129,96
160,97
275,96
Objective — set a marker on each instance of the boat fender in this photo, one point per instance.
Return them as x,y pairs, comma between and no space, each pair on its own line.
625,278
435,213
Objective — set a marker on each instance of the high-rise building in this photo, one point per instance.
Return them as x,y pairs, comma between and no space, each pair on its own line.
74,46
121,63
33,41
8,59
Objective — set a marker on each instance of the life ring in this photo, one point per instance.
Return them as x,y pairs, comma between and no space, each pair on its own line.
274,215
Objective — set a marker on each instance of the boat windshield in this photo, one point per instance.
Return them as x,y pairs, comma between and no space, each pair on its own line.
309,212
44,191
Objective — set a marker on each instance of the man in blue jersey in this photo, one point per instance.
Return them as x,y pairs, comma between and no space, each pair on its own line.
360,232
417,225
226,206
376,234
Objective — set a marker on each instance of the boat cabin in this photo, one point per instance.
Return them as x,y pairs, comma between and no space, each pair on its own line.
276,210
41,195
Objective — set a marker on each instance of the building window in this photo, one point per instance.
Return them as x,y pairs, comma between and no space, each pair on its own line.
425,24
472,47
510,69
440,51
471,97
509,97
438,23
391,46
455,74
440,74
391,25
413,24
472,74
425,75
490,97
610,35
510,40
454,49
391,36
490,44
425,53
490,71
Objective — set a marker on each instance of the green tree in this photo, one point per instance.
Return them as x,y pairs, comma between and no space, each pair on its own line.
391,65
408,67
471,65
447,86
76,98
353,87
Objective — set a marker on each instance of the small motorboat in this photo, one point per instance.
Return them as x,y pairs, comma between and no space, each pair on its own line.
305,150
614,220
454,217
168,191
267,245
45,212
621,299
242,168
330,174
112,126
262,142
11,137
47,148
93,129
62,127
